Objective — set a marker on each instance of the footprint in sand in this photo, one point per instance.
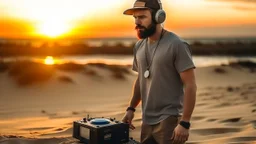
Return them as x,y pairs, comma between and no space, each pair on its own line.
60,129
204,94
201,104
254,124
231,120
221,105
212,131
197,118
50,115
211,120
242,139
37,128
236,121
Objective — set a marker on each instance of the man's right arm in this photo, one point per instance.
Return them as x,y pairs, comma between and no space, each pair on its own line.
136,98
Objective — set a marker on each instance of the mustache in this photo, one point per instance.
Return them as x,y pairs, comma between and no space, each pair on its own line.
140,27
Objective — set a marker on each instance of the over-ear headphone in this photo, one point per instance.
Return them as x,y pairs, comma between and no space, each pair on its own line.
160,14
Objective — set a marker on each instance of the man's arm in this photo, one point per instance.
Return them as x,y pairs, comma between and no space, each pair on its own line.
189,81
181,134
136,98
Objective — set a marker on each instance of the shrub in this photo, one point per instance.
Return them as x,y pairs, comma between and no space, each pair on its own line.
28,72
70,66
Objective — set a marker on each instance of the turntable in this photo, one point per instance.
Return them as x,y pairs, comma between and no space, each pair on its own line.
101,131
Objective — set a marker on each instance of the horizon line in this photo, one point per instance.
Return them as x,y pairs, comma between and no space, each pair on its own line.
96,38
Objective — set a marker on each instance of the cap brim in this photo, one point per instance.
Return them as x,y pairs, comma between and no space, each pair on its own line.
132,10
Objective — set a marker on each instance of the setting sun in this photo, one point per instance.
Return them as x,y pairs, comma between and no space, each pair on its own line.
49,60
56,18
59,19
53,29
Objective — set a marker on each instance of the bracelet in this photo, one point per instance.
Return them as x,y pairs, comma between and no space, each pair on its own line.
184,124
131,108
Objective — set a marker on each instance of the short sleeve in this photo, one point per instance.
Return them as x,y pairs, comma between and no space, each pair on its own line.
183,57
135,63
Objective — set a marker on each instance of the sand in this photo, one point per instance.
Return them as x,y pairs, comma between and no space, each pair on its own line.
43,112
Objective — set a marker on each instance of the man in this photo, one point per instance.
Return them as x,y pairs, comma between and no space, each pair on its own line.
166,84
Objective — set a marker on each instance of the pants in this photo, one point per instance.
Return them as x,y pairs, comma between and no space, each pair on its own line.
160,133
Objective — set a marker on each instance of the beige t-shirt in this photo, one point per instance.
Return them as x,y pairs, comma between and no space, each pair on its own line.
162,93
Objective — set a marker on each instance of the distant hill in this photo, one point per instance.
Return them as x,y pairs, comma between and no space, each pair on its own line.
207,46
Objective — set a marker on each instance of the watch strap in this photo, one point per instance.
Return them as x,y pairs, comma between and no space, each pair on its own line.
185,124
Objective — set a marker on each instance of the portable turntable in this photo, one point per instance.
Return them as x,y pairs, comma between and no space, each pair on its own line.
101,131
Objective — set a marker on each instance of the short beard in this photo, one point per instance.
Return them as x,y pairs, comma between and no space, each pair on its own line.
147,32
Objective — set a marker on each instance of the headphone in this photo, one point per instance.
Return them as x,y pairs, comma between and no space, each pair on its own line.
160,15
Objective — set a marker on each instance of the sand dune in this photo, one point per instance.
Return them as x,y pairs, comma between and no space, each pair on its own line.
43,112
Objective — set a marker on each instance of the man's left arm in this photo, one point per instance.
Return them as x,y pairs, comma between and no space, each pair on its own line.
189,82
180,133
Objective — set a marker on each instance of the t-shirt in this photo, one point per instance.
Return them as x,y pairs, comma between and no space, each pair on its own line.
162,93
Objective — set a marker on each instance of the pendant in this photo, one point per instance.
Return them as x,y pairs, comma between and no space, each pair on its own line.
146,74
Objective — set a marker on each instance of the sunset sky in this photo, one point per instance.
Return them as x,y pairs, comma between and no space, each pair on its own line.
104,18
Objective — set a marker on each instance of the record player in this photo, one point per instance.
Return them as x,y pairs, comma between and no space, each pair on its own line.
101,131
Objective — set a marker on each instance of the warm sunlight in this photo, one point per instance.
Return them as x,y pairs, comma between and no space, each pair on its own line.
53,29
58,19
184,3
49,60
54,18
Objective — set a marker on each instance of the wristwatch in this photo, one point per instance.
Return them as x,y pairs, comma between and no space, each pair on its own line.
185,124
131,108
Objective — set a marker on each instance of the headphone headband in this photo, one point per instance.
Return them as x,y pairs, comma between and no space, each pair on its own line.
160,4
160,15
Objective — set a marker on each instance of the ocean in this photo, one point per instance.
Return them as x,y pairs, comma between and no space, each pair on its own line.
128,41
200,61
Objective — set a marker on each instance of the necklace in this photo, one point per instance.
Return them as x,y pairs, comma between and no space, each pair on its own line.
147,72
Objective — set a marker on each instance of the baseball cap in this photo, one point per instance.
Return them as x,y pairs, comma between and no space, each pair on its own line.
143,4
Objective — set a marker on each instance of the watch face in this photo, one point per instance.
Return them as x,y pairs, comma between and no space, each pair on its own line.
185,124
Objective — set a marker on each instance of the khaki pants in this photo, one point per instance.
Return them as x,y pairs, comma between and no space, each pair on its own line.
160,133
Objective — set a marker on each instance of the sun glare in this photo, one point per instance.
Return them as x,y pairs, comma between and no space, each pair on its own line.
185,3
49,60
53,29
56,18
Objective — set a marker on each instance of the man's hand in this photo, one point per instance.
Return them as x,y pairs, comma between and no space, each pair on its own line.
128,118
180,135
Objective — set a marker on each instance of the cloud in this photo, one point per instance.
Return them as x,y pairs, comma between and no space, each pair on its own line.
243,5
244,8
239,30
244,1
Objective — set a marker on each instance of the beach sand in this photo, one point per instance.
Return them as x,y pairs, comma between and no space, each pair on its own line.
43,112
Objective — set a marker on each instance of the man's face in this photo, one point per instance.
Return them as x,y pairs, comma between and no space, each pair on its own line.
144,25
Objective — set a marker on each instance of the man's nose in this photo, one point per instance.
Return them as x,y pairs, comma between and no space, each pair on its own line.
137,21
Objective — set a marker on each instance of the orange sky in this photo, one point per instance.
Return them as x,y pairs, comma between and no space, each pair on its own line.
98,18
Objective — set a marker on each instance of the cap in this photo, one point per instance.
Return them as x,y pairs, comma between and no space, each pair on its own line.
143,4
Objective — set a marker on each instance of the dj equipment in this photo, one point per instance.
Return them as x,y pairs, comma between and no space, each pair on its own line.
160,14
101,131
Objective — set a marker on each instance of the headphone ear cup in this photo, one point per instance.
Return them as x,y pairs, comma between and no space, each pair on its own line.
160,16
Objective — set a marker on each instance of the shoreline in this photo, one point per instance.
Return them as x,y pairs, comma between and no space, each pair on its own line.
199,60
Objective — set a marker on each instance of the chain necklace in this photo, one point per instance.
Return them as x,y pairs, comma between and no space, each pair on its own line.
147,72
